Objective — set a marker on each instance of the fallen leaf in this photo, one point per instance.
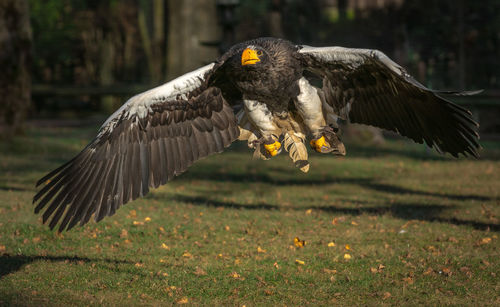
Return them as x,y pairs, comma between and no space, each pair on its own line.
308,211
347,247
187,255
381,267
299,262
227,228
147,219
373,270
2,248
200,272
335,221
161,229
298,242
276,265
260,250
354,223
428,271
237,261
330,271
408,280
485,241
183,300
347,256
446,271
386,295
235,275
138,264
331,244
132,213
36,239
124,233
165,246
137,223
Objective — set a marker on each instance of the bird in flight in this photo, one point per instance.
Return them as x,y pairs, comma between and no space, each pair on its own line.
270,92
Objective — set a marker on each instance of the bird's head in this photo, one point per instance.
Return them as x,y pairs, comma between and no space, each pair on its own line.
253,55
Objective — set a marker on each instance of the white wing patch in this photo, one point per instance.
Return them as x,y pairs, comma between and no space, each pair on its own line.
353,57
140,104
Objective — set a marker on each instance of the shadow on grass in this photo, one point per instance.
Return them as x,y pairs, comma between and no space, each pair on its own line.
405,211
368,183
9,264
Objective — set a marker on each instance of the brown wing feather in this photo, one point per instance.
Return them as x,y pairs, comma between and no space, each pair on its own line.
367,87
137,154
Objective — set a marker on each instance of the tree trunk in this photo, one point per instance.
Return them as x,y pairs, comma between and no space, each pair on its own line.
151,16
191,22
15,60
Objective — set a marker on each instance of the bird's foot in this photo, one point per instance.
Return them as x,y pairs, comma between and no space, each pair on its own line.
266,148
272,148
329,142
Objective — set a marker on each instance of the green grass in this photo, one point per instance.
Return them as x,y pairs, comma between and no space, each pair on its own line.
422,229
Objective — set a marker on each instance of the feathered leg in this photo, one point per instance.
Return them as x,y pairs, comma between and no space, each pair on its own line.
309,106
262,119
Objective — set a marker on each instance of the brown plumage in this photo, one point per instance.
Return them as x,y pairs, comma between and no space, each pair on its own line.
158,134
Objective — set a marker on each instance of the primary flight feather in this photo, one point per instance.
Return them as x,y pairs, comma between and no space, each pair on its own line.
257,91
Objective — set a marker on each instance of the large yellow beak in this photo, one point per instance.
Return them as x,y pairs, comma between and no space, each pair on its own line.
249,56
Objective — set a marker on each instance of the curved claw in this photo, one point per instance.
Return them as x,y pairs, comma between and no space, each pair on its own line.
273,149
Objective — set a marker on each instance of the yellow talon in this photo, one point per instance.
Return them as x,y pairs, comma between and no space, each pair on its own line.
318,144
273,149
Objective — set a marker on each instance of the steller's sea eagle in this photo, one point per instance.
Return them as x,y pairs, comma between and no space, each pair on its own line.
259,91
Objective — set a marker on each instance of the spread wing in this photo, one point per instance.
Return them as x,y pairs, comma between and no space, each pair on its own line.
367,87
153,137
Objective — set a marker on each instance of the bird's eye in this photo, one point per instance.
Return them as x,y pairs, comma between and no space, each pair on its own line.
259,53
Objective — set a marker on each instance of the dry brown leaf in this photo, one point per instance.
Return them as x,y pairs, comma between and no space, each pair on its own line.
386,295
373,270
330,271
200,272
137,223
408,280
227,228
485,240
354,223
138,264
308,211
182,301
2,248
132,213
260,250
124,234
428,271
187,255
446,271
36,239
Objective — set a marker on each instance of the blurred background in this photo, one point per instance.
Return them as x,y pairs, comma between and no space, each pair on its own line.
81,59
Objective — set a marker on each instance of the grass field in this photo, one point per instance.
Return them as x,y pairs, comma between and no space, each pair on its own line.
391,224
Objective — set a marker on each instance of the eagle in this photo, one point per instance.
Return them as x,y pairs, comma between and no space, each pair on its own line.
272,93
